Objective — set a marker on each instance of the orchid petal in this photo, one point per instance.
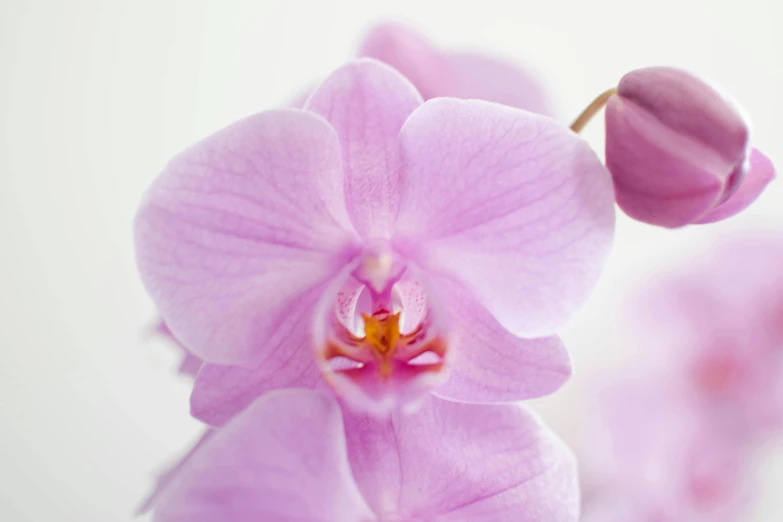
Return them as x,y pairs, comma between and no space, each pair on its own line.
463,462
760,173
190,364
488,363
409,52
492,79
170,474
240,227
221,392
283,459
367,102
462,75
513,204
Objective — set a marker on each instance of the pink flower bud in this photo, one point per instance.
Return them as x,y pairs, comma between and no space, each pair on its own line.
679,151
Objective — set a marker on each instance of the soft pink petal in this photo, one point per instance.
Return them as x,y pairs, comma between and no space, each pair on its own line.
221,392
489,364
412,54
760,173
239,227
413,301
367,102
462,75
283,459
189,364
365,391
492,79
463,462
515,205
168,475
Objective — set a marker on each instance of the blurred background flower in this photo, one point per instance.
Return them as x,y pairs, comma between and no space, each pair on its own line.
671,433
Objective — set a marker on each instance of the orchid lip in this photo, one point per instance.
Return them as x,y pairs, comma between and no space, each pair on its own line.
385,347
382,342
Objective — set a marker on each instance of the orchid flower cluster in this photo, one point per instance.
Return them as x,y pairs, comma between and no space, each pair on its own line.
705,389
365,285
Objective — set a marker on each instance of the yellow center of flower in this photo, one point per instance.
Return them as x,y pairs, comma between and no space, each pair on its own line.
388,347
382,334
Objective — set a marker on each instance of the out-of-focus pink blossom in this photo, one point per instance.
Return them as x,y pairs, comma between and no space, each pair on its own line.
679,151
651,457
377,241
671,435
718,327
189,364
437,72
294,455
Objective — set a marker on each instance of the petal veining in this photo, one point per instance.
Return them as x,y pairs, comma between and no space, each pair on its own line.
238,227
513,204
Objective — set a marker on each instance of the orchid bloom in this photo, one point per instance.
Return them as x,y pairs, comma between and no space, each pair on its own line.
294,455
434,73
672,430
468,75
380,241
189,364
652,457
720,334
679,150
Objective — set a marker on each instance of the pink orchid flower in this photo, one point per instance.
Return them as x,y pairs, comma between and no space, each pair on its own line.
189,364
294,455
720,334
671,437
653,457
434,73
385,239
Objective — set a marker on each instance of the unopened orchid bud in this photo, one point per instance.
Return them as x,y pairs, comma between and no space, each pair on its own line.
679,151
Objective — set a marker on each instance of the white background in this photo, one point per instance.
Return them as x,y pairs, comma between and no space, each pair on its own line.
96,96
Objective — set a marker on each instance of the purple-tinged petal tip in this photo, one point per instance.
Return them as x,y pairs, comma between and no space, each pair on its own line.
760,173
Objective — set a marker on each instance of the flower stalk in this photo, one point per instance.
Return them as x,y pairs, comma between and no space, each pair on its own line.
592,109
